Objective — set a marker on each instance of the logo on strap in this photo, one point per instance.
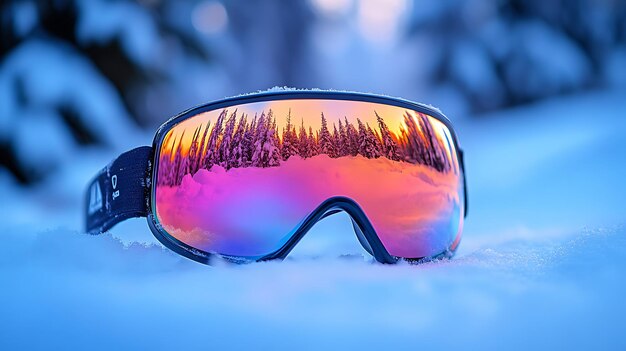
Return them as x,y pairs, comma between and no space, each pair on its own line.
95,197
116,192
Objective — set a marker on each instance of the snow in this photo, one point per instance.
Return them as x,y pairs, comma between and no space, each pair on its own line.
471,69
51,75
540,264
558,64
101,21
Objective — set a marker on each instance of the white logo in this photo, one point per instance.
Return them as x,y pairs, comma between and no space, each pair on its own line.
116,193
95,198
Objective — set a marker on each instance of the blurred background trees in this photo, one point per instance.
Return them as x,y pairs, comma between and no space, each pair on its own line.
79,73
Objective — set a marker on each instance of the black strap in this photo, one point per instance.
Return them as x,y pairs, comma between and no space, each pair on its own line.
120,191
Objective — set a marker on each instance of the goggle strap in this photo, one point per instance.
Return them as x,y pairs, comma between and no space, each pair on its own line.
120,191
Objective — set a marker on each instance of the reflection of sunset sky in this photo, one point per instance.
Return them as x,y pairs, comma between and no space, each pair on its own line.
309,111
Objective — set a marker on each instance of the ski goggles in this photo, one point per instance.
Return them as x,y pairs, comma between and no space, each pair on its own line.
245,178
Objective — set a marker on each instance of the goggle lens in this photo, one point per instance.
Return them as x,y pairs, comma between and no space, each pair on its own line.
240,180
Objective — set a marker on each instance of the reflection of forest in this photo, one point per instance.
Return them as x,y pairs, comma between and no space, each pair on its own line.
240,142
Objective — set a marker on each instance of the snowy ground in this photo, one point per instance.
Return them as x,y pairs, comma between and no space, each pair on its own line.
541,263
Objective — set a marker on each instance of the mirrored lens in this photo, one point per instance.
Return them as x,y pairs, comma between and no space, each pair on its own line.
239,180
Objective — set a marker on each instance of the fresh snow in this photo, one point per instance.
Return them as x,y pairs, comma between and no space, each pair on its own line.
541,263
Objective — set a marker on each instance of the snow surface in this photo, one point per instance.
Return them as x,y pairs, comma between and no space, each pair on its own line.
541,263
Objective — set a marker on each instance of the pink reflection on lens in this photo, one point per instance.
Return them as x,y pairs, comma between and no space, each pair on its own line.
240,185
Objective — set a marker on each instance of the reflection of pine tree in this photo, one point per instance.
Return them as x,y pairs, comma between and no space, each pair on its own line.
314,148
428,135
290,139
336,141
193,152
433,147
179,160
342,141
225,145
210,157
266,151
273,146
389,146
259,141
303,142
238,143
202,149
237,151
367,141
325,139
421,145
413,146
352,138
165,162
378,147
249,138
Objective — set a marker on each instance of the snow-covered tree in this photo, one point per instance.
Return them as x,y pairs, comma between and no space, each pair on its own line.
303,142
273,147
374,140
259,142
249,141
202,149
194,151
180,162
289,145
352,138
420,144
336,138
103,79
413,143
343,142
367,141
266,151
436,155
225,145
325,140
389,146
377,139
314,148
211,156
237,152
166,164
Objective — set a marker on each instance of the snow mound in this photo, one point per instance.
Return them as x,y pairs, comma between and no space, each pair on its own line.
68,287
